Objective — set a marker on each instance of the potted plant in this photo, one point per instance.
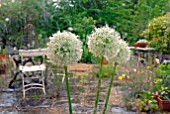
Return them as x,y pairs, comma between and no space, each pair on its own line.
164,104
141,43
162,95
161,87
163,100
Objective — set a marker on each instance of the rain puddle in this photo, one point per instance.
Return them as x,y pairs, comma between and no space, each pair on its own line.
7,98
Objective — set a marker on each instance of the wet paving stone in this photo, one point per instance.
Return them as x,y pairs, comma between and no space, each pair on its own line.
120,110
82,95
9,112
8,99
37,103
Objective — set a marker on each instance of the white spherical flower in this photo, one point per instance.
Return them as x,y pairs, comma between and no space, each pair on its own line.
12,1
70,28
6,19
104,42
64,48
124,54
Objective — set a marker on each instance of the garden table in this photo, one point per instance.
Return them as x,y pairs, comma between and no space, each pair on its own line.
144,53
147,49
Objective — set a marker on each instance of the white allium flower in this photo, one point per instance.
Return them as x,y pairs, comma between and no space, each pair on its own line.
70,28
64,48
12,1
6,19
124,54
123,4
104,42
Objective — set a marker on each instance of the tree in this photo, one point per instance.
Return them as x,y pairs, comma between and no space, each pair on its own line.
158,33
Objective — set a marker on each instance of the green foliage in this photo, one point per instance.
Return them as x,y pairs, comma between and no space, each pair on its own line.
21,13
164,91
82,76
147,102
117,14
144,11
9,12
128,17
87,56
68,90
109,88
160,88
157,85
163,74
71,15
158,32
83,26
35,97
106,72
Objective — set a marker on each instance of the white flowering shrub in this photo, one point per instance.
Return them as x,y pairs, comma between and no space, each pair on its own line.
64,48
107,42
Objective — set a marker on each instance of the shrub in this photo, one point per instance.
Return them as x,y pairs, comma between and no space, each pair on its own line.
158,32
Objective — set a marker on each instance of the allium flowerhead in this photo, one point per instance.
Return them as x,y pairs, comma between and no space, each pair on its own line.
64,48
6,19
124,53
104,42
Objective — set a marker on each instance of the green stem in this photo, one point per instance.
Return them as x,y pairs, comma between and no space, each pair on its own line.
68,90
98,86
109,89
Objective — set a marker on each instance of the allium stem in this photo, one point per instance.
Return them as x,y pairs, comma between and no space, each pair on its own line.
109,89
68,89
99,84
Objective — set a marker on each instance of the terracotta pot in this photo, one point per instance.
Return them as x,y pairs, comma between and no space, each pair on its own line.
3,63
2,56
155,96
105,61
141,45
163,104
